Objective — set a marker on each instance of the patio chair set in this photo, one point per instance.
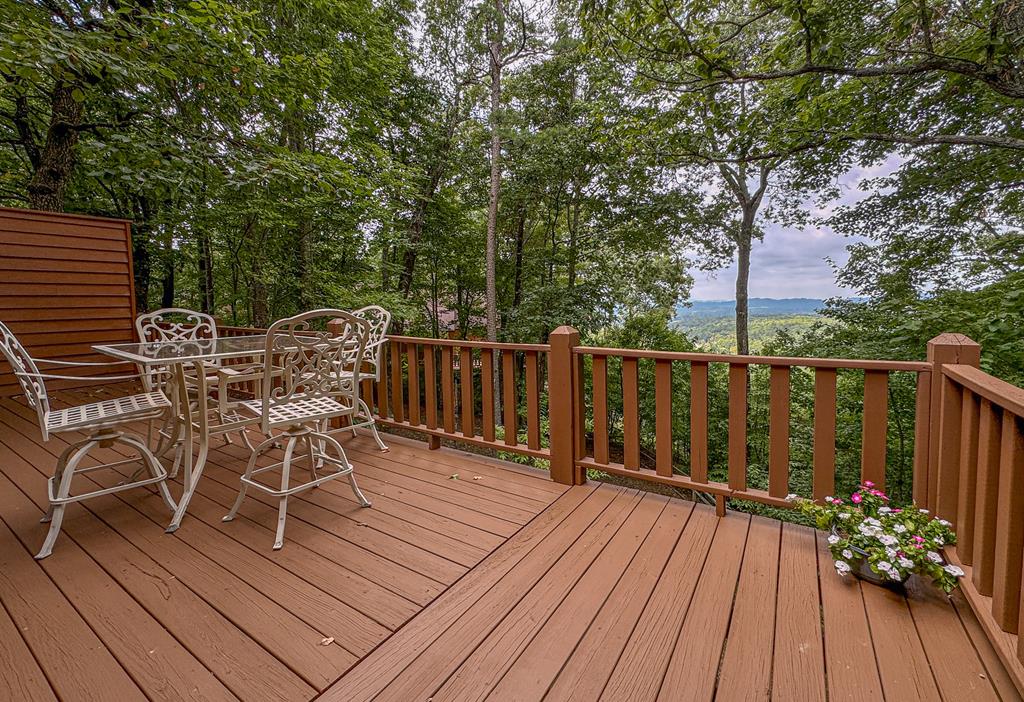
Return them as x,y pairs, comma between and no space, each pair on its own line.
307,372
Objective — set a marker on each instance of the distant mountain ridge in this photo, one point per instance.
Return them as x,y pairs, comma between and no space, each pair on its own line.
759,307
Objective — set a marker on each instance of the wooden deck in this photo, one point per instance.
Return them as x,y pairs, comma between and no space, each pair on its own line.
498,584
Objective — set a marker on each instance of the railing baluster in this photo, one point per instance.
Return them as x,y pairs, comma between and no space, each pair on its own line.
412,356
663,416
532,402
875,427
487,393
922,437
447,390
778,431
397,403
468,413
986,496
1006,581
737,426
824,432
382,385
430,386
699,422
948,477
630,414
968,478
508,393
600,382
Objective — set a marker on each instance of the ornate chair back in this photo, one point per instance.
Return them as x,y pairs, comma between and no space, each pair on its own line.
379,320
172,324
312,361
27,373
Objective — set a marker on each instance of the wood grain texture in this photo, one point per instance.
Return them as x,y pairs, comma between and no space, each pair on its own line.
699,422
599,372
737,426
630,414
663,417
824,433
875,427
778,432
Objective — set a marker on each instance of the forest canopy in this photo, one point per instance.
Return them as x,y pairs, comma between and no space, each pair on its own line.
501,168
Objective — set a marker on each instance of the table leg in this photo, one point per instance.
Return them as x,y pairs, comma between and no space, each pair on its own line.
193,469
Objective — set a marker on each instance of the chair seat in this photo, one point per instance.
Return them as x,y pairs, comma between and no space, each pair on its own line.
299,411
108,412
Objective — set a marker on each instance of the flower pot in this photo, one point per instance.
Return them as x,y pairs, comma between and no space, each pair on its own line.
862,570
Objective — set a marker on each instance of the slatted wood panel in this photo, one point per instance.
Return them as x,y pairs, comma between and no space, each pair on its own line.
65,285
123,611
612,596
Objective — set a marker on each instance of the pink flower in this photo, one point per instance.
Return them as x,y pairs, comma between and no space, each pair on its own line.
856,498
897,511
868,483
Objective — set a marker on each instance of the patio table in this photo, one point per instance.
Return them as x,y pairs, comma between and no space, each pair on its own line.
184,422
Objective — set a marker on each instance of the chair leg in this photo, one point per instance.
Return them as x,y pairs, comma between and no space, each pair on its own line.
351,473
314,461
282,507
63,490
58,473
373,426
154,468
257,452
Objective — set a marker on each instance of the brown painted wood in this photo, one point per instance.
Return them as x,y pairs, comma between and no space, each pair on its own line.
430,386
922,437
467,409
447,390
1006,573
778,432
799,671
630,414
737,426
875,427
986,496
746,670
599,373
966,497
65,284
382,385
902,661
824,481
21,678
413,361
852,672
948,453
532,401
508,393
698,422
397,399
487,393
565,428
911,366
663,416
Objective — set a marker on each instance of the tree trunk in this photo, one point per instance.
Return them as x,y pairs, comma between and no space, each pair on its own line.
742,281
206,303
57,157
495,48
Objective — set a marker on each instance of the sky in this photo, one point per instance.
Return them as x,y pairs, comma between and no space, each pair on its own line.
791,262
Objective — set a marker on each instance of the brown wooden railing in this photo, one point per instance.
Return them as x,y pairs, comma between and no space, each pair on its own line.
533,400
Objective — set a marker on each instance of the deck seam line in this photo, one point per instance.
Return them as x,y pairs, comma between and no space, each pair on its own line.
456,582
732,610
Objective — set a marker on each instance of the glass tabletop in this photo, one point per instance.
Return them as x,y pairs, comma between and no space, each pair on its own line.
162,352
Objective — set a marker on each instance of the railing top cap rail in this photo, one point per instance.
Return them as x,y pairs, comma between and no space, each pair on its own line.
466,343
998,392
860,364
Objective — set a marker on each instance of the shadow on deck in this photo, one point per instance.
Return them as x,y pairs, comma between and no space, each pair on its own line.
496,584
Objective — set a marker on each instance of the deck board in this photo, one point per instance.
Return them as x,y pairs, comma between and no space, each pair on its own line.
496,584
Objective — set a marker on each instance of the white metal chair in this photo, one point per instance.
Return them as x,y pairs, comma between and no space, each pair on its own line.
379,320
179,324
312,390
103,422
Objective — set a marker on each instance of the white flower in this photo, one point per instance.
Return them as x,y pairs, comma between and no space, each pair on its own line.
873,522
934,557
944,523
888,539
899,528
842,567
844,515
953,570
885,566
833,539
894,575
828,498
884,510
923,511
847,553
906,563
792,496
939,541
890,552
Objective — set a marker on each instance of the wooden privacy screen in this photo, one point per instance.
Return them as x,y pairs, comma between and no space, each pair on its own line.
65,284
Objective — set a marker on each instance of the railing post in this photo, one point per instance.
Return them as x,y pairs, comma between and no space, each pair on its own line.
944,421
564,418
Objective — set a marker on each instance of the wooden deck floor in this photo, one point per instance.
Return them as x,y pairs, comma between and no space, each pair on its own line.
497,585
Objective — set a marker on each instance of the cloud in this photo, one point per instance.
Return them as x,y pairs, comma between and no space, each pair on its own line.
792,262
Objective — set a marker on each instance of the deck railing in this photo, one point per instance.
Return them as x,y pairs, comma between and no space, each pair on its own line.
551,401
